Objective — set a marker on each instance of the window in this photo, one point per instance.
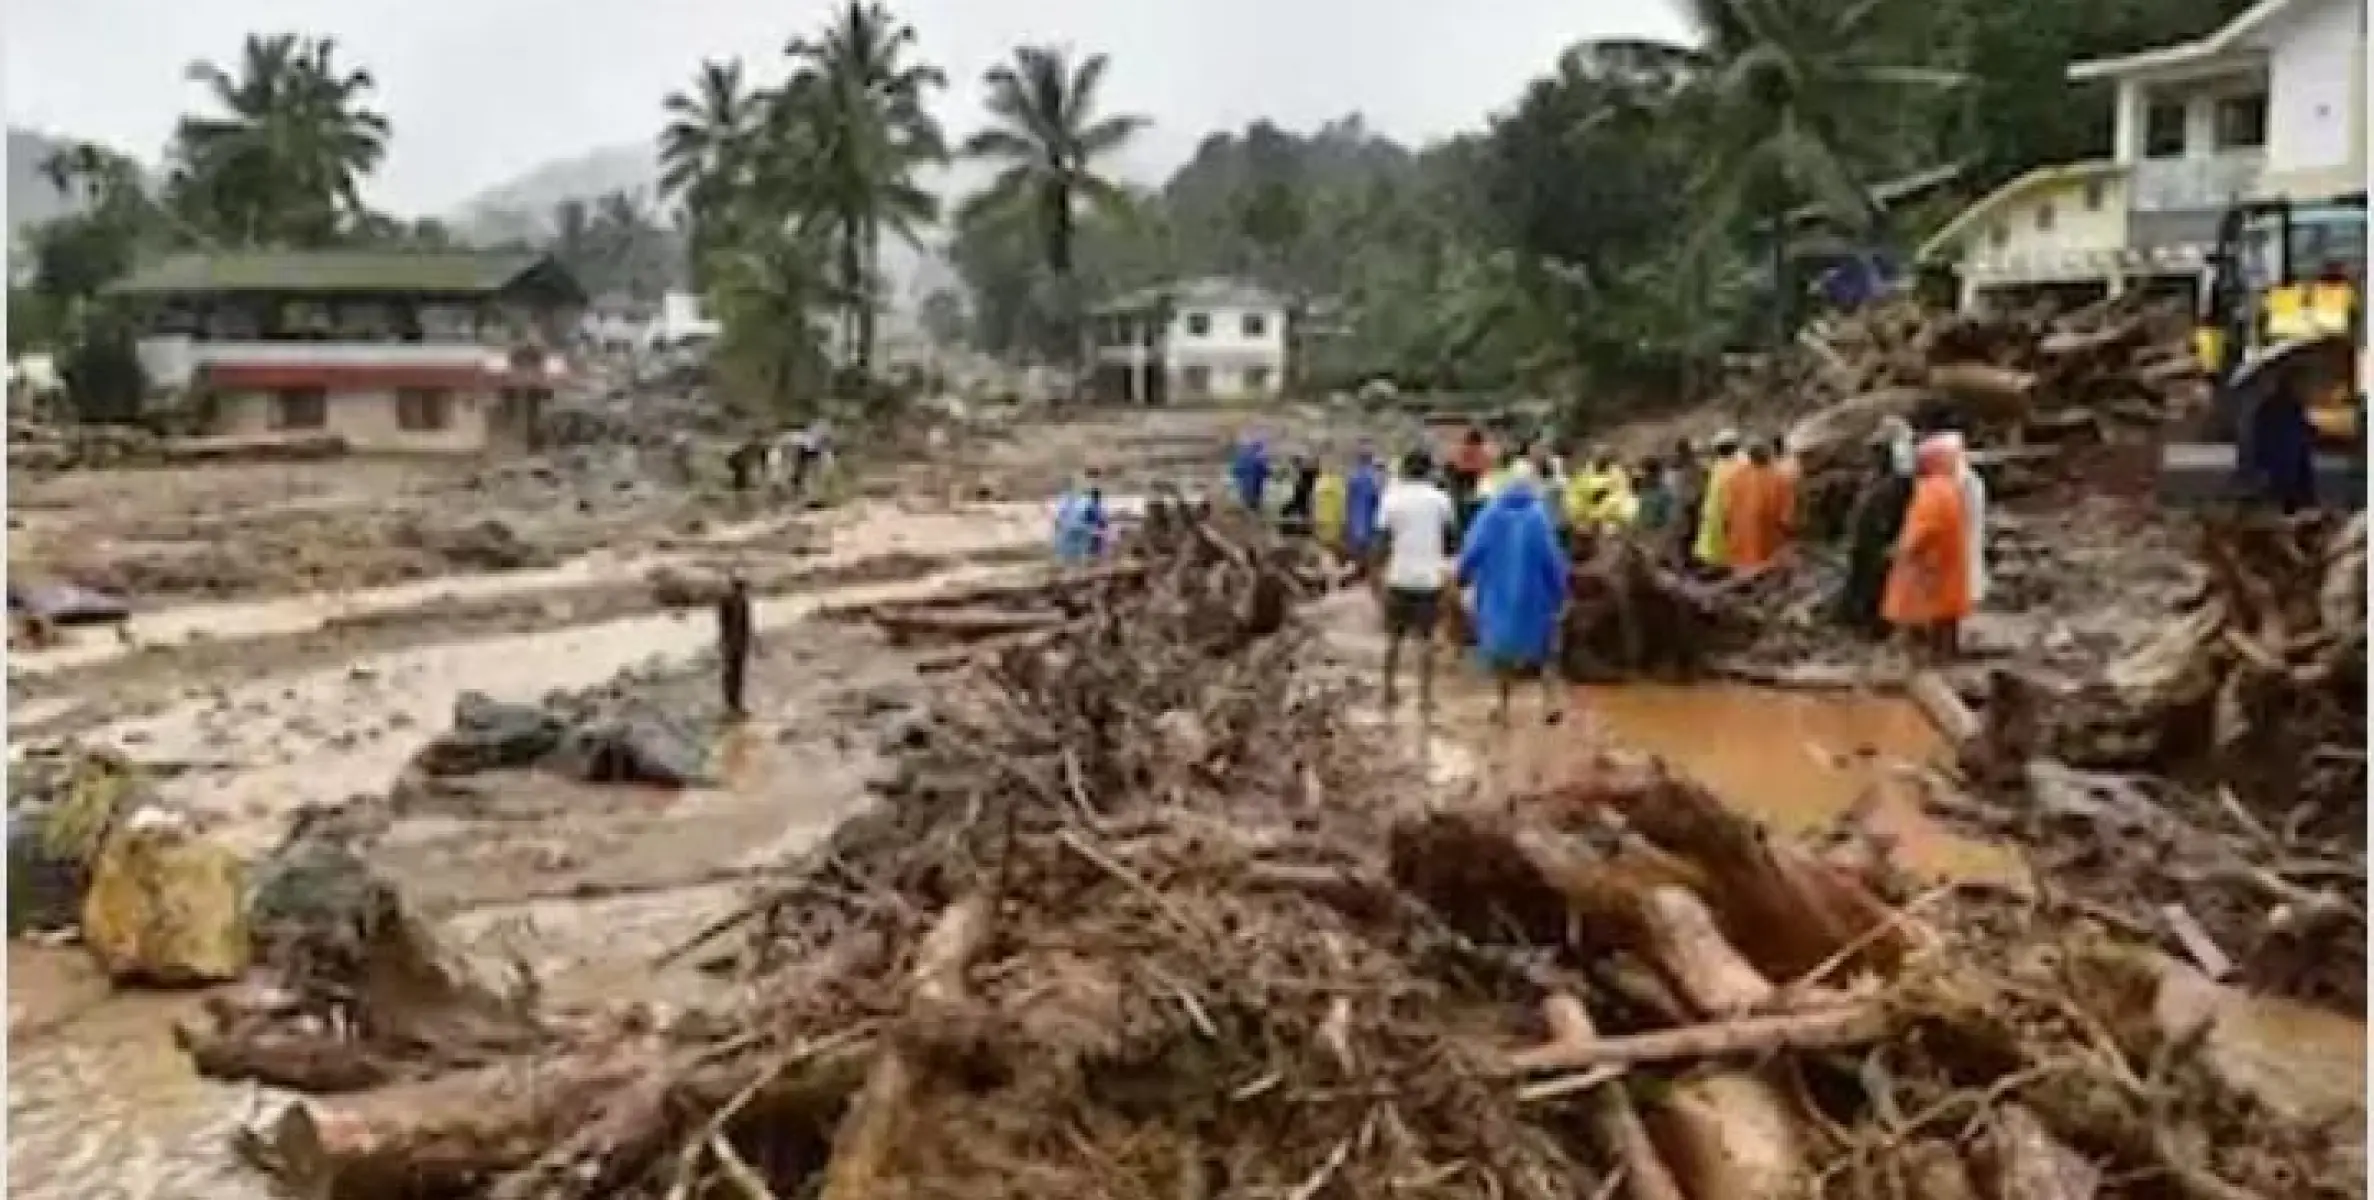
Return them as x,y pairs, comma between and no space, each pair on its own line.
2242,122
1199,324
1256,378
301,408
424,410
1999,234
2163,130
1255,324
1196,381
2044,217
2094,195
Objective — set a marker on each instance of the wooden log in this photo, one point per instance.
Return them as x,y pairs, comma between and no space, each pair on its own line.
1729,1134
2022,1158
1614,1120
866,1144
962,625
1943,706
1831,1028
1999,389
315,1063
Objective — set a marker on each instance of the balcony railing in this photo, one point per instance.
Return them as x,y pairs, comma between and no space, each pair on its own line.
2180,184
171,361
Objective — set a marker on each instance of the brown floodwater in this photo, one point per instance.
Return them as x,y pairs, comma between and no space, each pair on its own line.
1801,760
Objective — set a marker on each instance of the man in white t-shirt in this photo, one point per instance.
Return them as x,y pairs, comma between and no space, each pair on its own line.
1416,521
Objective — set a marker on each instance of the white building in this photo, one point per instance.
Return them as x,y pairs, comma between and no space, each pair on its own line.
2271,105
1206,339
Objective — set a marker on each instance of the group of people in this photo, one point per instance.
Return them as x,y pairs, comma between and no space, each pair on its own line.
1916,541
786,463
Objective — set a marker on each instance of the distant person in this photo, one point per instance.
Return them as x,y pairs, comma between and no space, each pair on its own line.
1688,485
1513,559
806,451
1974,516
1302,496
1465,476
1928,594
1415,523
743,464
1759,510
1328,503
734,642
1080,521
1872,527
1710,547
1248,470
1654,503
1364,490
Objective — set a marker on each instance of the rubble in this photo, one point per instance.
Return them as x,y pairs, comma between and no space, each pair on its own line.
2216,772
1144,915
607,734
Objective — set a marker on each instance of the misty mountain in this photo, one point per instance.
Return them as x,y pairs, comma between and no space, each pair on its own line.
523,207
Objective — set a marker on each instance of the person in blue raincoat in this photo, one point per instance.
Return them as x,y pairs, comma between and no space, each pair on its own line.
1514,560
1363,489
1080,522
1249,470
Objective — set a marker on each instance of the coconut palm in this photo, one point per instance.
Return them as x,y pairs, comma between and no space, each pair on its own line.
852,126
284,159
1048,136
704,152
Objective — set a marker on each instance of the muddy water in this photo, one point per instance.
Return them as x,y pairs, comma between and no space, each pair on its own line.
1802,760
858,532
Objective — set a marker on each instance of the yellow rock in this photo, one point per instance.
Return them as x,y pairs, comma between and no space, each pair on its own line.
166,906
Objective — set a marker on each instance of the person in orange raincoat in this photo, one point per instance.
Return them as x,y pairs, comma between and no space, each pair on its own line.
1928,592
1760,507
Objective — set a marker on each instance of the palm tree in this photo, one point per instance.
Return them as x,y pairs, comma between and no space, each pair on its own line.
286,157
768,290
1049,135
91,173
703,153
1781,93
851,121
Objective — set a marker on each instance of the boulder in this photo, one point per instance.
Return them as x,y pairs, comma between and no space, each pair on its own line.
166,906
489,734
63,804
318,909
44,886
674,586
631,746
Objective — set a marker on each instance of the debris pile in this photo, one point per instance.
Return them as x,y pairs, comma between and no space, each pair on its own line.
2214,781
2028,387
1144,915
610,733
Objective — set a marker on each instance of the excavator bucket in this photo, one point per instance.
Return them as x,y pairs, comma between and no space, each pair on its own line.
2207,469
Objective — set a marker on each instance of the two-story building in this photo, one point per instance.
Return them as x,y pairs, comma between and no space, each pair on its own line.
2271,105
443,352
1214,339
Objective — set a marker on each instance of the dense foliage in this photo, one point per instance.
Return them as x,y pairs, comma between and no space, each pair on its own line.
1634,212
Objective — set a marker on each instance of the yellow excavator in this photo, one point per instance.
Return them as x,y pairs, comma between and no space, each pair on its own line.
2282,335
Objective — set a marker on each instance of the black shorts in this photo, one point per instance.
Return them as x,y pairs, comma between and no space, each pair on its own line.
1413,611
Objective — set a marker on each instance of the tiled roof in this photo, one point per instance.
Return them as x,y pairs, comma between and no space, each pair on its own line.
446,272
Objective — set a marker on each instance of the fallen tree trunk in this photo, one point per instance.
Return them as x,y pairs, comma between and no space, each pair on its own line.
1617,1124
866,1144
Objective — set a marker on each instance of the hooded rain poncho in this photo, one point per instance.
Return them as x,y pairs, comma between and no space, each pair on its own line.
1929,583
1328,502
1079,526
1712,546
1513,559
1249,471
1974,515
1363,490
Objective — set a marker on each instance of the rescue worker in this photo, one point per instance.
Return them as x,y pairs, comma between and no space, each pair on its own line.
1872,527
1655,502
1417,526
1928,594
1469,463
1248,470
1080,521
1301,497
733,642
1328,502
1364,490
1584,489
1974,516
1513,559
1688,485
1709,546
1759,509
743,463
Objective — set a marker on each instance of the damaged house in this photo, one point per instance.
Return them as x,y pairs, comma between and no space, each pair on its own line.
441,353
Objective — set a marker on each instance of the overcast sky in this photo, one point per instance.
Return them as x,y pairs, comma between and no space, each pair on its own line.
481,91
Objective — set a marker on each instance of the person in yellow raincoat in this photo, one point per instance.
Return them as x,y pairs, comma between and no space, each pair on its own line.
1583,488
1328,505
1618,505
1711,547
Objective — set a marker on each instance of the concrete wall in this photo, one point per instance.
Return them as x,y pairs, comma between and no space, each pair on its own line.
1235,364
2014,247
2316,107
367,420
